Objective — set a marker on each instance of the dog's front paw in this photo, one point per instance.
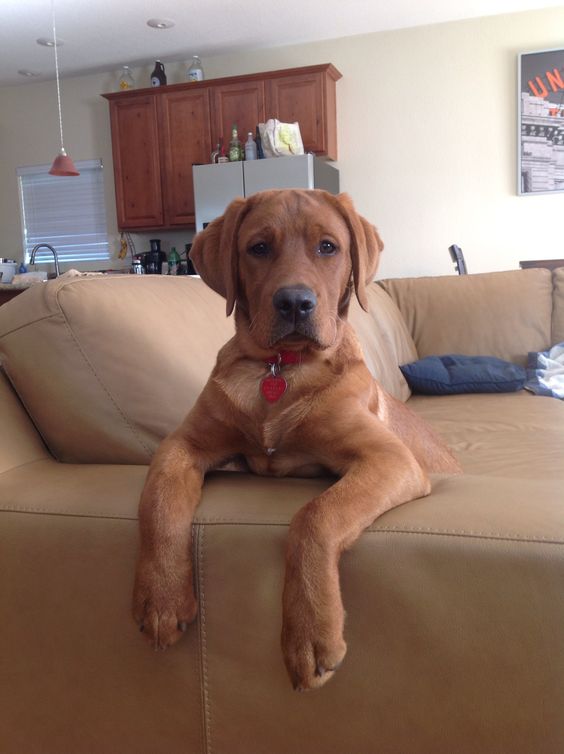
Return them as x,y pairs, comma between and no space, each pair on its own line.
163,600
312,636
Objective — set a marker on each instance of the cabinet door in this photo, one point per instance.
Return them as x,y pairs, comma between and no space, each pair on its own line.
307,99
241,103
185,126
137,172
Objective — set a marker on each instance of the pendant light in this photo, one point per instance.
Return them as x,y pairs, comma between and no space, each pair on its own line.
62,164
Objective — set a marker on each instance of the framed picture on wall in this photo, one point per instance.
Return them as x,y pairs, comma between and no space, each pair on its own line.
541,122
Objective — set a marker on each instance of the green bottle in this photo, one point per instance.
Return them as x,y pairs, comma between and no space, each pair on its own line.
235,146
173,262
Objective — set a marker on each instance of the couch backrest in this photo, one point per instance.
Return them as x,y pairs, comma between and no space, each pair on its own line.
503,314
385,340
558,306
108,366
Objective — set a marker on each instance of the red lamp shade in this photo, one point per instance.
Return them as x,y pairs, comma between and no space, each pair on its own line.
63,165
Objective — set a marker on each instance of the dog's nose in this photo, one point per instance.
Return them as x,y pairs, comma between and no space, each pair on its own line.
294,304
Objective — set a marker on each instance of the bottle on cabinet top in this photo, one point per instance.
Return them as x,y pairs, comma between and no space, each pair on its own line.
158,77
195,71
125,80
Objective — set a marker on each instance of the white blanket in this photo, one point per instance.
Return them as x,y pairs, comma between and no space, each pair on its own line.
545,372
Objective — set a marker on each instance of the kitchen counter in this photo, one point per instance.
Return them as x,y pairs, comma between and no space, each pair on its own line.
17,286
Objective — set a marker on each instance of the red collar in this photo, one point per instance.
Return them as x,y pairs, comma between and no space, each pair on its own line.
282,358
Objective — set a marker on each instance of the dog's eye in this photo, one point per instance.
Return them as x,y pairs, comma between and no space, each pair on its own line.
327,248
260,249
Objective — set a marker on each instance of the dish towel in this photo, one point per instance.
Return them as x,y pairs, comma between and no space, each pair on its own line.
545,372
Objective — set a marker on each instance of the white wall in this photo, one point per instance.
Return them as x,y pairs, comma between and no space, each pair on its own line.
426,128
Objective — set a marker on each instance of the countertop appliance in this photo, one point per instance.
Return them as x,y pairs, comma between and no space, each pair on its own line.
8,268
217,185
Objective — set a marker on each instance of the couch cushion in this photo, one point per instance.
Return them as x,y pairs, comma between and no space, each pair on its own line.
19,442
511,435
108,366
558,306
503,314
385,340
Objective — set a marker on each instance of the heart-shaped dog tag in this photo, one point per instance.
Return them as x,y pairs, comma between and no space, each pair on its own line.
273,387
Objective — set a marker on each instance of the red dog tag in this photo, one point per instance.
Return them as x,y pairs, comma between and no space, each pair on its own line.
273,387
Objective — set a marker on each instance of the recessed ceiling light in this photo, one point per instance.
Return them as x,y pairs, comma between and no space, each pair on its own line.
160,23
30,74
46,42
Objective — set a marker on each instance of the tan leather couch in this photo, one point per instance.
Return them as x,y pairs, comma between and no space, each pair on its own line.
455,603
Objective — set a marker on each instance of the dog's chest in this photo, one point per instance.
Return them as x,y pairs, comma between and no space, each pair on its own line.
281,459
248,388
271,430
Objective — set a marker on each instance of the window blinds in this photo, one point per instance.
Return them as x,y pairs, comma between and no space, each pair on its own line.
68,213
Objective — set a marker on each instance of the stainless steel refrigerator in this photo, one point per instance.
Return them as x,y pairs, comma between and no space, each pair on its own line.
217,185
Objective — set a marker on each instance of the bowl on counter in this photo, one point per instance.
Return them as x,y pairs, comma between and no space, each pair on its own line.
8,268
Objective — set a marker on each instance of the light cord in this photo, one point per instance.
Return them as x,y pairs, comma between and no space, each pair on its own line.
57,74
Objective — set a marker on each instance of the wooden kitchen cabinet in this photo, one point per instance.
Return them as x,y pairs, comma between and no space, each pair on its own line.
242,103
308,98
185,141
159,134
137,163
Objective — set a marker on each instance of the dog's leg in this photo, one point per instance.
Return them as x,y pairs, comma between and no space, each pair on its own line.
163,598
379,474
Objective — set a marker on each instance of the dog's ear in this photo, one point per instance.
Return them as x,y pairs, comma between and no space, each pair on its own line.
366,246
214,252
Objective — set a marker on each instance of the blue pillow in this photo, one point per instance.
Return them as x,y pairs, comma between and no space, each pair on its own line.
454,373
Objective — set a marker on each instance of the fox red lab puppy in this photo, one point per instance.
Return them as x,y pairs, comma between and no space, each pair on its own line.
290,395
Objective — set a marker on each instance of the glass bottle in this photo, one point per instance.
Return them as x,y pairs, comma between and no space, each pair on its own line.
215,154
125,79
250,147
158,77
195,71
235,148
173,262
258,142
222,156
190,269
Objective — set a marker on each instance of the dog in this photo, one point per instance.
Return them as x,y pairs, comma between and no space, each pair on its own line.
290,394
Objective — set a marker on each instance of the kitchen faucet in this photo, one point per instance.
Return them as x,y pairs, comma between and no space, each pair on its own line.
53,252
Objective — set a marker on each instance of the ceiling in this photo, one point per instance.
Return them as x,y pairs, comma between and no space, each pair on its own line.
102,35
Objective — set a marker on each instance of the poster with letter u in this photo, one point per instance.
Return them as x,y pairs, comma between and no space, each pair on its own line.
541,122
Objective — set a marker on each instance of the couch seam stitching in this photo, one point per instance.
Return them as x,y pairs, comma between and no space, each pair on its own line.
509,536
203,642
47,457
71,514
202,523
397,530
28,324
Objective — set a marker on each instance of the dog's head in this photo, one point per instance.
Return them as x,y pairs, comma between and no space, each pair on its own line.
289,259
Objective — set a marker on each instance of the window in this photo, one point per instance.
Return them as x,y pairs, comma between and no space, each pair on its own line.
69,213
